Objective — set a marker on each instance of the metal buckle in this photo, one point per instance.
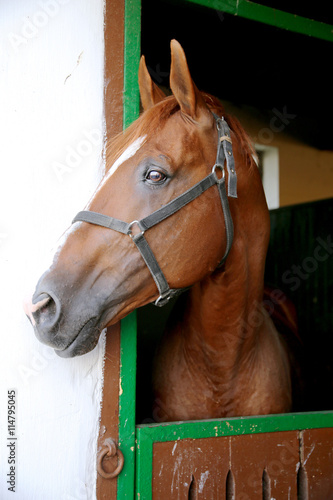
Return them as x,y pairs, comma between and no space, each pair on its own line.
221,167
162,299
129,231
218,121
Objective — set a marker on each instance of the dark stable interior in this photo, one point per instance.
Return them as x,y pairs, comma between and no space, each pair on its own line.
264,68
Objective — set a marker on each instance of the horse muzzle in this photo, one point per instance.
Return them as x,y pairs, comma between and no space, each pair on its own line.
44,311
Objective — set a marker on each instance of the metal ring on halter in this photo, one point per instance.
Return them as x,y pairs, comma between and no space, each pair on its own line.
221,167
129,231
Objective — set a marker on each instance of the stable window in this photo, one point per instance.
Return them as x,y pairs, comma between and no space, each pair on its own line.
282,444
268,164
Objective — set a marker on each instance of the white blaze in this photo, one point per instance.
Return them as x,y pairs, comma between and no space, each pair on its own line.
128,153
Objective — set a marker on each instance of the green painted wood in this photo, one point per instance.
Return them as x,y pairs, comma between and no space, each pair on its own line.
147,435
127,388
273,17
127,383
144,465
131,61
234,426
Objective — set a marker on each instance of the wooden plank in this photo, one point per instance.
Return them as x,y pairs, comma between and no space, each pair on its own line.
127,387
144,466
113,102
131,60
254,466
114,66
317,460
271,16
191,468
235,426
107,488
122,50
265,465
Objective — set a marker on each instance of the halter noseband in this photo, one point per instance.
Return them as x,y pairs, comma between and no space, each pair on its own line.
224,152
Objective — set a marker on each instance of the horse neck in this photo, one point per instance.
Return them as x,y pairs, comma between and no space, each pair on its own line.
221,314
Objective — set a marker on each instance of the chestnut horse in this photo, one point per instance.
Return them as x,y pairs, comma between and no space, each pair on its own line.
163,219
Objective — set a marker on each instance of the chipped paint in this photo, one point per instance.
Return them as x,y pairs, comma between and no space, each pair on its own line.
309,454
202,480
230,426
176,472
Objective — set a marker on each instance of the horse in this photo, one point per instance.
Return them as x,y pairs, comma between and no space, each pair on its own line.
181,208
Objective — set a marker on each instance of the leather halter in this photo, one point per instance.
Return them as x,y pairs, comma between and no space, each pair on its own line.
224,152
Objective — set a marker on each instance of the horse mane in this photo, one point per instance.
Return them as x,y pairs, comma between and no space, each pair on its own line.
154,118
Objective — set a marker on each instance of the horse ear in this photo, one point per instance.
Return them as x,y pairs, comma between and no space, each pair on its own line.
150,93
184,89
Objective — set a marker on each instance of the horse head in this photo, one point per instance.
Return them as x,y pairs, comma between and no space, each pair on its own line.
98,276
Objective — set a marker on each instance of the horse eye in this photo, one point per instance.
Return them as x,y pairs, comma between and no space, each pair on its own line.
155,176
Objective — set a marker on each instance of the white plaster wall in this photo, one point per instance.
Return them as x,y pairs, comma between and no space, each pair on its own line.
51,136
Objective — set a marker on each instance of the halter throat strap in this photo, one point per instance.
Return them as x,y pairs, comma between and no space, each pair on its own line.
224,152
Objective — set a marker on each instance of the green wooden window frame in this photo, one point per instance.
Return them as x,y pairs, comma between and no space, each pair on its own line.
137,442
128,328
268,15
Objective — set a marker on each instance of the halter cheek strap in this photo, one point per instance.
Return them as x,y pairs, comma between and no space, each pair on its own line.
224,152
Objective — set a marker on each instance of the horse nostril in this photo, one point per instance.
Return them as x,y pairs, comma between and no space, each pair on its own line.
45,310
40,300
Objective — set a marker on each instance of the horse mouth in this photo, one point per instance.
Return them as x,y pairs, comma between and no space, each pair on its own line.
84,342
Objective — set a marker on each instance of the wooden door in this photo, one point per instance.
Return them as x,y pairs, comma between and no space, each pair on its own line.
122,50
250,458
